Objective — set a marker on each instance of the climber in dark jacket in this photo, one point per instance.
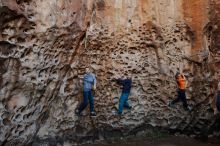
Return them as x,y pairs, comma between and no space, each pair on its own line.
126,84
218,98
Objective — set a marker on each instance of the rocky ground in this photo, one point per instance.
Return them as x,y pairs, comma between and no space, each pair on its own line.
169,141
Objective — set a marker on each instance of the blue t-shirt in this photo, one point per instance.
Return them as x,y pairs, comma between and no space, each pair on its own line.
88,81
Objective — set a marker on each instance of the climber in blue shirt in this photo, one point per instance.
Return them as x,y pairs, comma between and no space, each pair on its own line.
89,83
126,88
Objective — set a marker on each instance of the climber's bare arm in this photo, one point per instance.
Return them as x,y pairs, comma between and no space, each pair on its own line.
80,76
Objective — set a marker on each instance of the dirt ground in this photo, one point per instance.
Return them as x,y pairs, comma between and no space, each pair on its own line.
170,141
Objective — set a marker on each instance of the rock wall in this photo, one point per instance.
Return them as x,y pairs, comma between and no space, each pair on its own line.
46,45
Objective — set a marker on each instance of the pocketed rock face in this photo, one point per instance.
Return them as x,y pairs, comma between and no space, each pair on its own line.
46,45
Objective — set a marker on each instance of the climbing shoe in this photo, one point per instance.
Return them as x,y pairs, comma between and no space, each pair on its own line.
77,112
119,113
170,104
128,107
93,114
188,108
116,113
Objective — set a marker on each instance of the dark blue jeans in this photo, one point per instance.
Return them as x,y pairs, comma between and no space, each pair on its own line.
123,102
87,96
218,101
181,97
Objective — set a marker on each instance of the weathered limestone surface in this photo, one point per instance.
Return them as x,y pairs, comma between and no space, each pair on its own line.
46,44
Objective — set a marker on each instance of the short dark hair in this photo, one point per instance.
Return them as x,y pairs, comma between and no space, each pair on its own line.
90,68
177,74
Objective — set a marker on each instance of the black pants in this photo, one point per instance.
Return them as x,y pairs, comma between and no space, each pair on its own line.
181,96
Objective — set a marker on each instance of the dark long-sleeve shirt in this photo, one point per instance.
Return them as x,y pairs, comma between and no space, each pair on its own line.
218,101
126,83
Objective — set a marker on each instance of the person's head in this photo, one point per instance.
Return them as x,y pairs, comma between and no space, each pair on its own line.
125,76
129,76
177,75
88,70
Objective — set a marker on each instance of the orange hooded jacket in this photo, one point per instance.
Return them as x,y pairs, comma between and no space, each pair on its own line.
181,81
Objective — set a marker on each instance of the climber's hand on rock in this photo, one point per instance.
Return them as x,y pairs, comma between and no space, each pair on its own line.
113,79
116,76
80,76
94,87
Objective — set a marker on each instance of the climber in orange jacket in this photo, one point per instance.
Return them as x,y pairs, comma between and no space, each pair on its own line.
181,82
